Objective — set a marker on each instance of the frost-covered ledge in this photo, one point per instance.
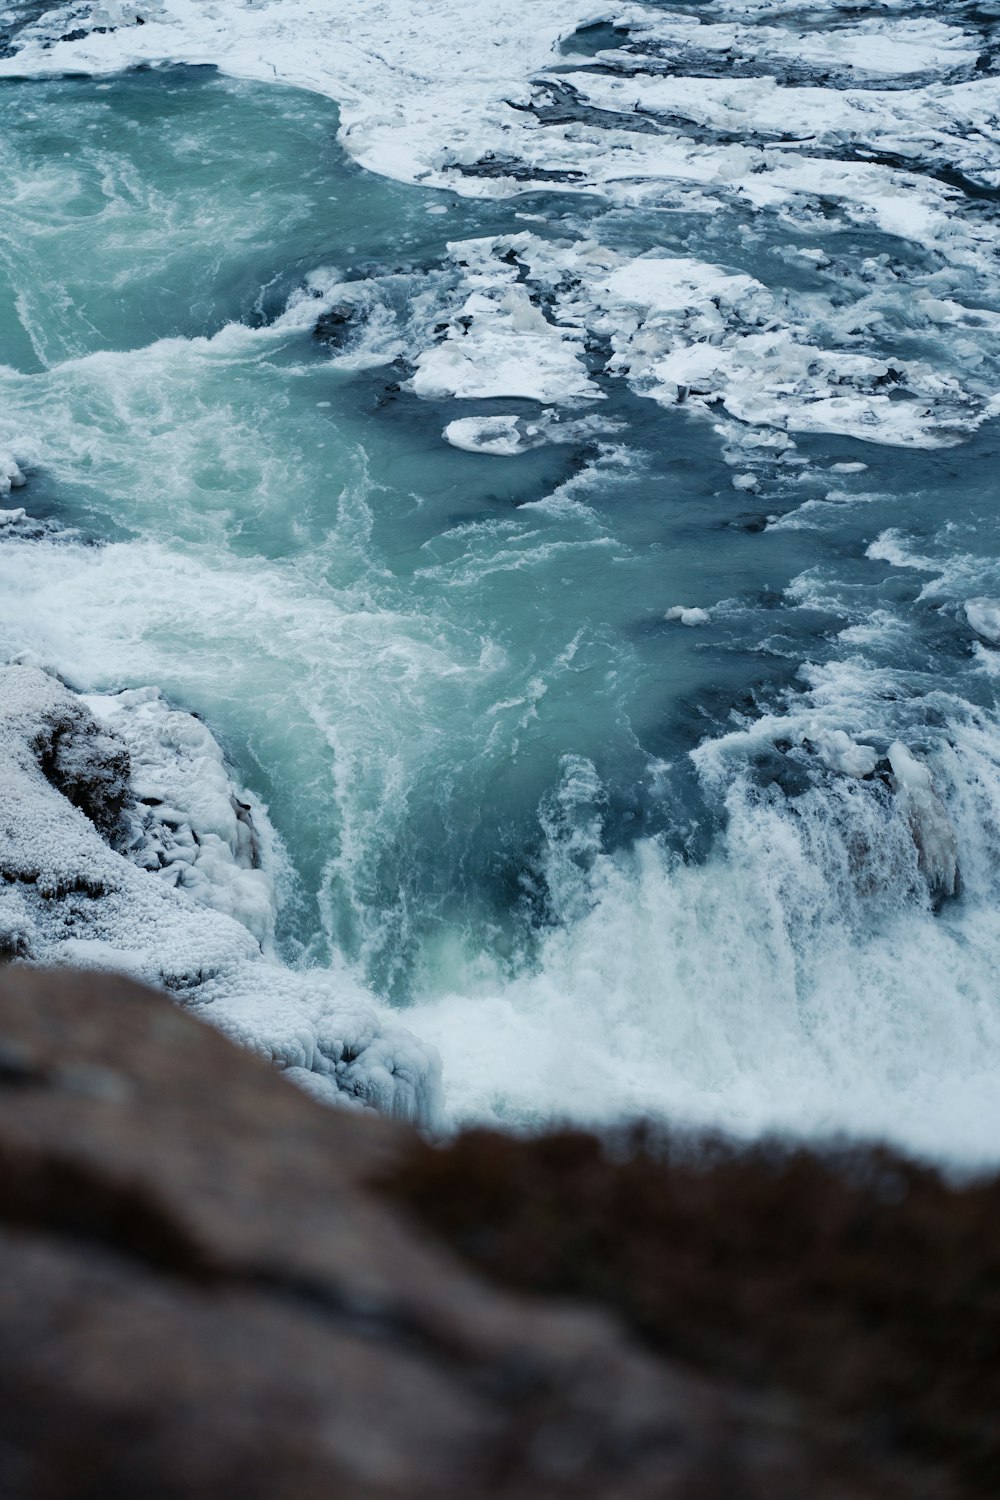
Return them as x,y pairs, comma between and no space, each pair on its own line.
75,818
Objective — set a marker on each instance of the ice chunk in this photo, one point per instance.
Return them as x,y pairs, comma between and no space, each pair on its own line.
501,344
984,617
11,477
688,616
501,436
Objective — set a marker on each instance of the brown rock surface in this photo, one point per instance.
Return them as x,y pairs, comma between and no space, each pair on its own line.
201,1294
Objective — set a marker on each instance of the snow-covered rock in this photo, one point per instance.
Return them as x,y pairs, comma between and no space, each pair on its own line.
70,895
189,825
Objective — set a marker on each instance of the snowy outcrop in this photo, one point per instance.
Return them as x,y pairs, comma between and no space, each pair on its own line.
187,823
71,809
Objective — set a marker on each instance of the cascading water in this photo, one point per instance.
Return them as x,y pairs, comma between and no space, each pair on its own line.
589,559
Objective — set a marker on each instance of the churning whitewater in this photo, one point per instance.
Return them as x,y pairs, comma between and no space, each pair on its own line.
500,558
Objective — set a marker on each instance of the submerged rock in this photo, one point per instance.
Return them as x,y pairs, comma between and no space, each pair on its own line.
332,325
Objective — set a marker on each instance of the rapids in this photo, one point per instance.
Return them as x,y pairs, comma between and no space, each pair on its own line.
597,588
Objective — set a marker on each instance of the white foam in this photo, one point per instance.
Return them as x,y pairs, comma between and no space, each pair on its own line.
798,978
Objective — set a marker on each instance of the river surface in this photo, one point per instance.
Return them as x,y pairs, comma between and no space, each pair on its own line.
739,866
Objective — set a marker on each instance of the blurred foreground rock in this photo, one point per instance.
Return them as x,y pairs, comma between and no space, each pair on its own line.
212,1286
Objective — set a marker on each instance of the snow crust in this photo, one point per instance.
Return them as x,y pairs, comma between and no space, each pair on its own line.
190,826
69,897
866,49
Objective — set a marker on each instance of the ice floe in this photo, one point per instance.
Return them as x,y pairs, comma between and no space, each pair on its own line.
678,330
502,436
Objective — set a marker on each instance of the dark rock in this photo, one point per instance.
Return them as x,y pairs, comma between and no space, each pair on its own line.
202,1297
858,1285
214,1287
332,325
92,770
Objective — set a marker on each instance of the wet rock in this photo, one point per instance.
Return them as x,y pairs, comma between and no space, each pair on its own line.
333,324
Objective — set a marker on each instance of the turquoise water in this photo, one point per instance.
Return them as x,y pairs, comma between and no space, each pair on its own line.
450,676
